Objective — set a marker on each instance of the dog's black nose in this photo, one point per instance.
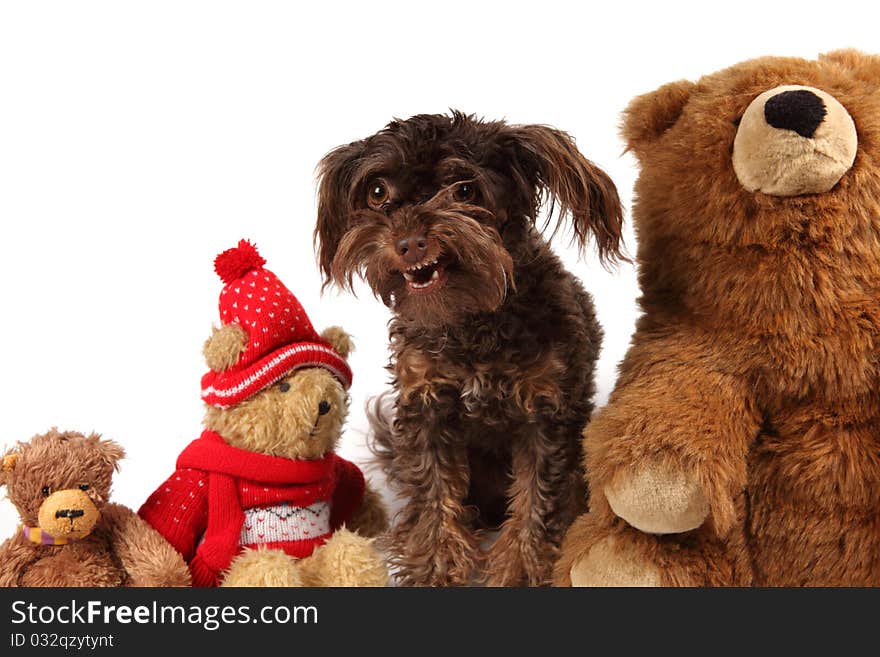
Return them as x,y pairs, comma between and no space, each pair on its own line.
69,513
799,110
412,249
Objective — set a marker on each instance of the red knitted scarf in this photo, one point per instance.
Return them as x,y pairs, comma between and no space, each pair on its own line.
226,464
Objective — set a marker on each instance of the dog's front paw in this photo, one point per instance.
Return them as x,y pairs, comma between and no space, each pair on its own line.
512,562
451,560
658,499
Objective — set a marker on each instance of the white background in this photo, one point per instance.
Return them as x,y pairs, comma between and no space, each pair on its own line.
137,140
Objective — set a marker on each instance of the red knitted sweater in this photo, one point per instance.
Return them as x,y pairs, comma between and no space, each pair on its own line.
222,499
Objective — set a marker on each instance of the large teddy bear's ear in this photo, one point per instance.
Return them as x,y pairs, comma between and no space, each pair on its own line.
225,345
863,65
650,115
339,340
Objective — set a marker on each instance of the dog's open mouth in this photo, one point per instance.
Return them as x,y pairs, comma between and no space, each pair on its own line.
425,277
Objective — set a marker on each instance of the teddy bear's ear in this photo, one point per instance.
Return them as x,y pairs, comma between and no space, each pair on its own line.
862,64
10,459
339,340
225,345
110,452
650,115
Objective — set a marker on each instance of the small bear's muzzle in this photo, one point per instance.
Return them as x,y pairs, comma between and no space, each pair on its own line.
68,514
794,140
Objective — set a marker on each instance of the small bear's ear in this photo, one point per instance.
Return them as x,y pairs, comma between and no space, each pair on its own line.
111,452
9,461
339,340
225,345
650,115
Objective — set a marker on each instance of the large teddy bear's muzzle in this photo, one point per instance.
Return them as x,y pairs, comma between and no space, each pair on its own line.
794,140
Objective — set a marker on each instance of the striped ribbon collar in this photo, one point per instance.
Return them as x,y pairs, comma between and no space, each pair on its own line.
38,536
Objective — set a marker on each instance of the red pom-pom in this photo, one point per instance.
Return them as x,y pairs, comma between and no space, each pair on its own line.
232,264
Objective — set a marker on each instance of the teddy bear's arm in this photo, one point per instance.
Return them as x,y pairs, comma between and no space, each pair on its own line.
371,519
178,510
15,557
669,449
147,558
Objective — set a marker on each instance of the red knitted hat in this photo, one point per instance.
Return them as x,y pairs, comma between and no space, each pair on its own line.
280,336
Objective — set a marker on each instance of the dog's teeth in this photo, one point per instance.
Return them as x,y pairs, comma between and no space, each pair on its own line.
408,276
435,275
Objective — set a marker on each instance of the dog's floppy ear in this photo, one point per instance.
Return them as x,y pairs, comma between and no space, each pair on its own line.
554,166
650,115
335,179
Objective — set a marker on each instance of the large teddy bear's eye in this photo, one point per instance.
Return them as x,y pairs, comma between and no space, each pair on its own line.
284,386
323,408
45,491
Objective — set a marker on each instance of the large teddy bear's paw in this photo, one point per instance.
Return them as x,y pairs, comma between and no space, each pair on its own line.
612,563
657,499
262,567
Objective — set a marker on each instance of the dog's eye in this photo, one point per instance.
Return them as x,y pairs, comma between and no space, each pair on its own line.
377,196
464,192
45,491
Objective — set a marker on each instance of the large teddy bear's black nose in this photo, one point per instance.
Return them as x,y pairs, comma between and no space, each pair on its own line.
799,110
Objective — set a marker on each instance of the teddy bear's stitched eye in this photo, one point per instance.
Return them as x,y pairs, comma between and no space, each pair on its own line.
46,490
323,408
284,386
84,486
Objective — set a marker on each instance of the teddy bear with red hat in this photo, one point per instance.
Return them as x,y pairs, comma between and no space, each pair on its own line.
261,498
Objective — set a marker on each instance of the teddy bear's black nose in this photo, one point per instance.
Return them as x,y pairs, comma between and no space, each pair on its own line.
323,408
69,513
799,109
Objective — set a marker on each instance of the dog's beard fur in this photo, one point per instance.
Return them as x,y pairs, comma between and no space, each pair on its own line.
477,266
478,240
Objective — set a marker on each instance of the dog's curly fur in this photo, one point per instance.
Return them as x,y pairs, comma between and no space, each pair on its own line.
493,365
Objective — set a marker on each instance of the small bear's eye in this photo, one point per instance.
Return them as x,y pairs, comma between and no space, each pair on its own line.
46,490
323,408
284,386
84,486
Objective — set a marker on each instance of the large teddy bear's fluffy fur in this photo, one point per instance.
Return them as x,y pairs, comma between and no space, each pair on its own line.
742,442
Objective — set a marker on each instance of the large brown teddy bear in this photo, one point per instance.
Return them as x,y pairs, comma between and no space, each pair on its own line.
71,535
741,445
261,498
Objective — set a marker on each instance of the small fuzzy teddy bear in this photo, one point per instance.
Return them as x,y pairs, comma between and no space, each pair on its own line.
71,534
261,498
